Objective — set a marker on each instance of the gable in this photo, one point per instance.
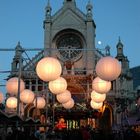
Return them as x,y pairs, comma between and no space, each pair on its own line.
68,18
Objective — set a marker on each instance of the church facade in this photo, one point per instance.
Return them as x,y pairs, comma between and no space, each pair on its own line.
69,36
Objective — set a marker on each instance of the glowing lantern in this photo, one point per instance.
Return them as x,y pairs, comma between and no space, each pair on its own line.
108,68
40,102
69,104
12,86
63,97
27,96
1,97
11,102
58,86
95,105
97,97
101,86
48,69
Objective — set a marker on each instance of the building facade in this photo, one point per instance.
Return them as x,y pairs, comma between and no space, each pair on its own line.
69,36
136,80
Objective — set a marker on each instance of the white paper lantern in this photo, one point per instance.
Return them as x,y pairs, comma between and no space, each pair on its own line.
58,86
95,105
101,86
12,86
108,68
48,69
1,97
11,102
27,96
69,104
39,103
97,97
63,97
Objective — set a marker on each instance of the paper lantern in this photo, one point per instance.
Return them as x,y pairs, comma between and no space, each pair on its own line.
108,68
69,104
97,97
95,105
11,102
48,69
58,86
27,96
63,97
12,86
1,97
39,102
101,86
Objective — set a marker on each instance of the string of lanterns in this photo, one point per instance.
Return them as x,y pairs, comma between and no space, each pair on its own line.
49,70
107,70
26,96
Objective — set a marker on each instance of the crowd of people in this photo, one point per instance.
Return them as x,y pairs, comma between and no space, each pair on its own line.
83,133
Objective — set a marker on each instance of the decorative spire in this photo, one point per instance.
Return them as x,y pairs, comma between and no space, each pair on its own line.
48,3
71,2
18,47
48,10
119,39
107,49
18,42
120,56
89,8
119,43
17,57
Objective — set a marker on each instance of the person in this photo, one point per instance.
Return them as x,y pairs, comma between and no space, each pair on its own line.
37,134
42,135
9,135
85,133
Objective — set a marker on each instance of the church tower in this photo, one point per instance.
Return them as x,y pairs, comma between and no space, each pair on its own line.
124,87
121,57
17,59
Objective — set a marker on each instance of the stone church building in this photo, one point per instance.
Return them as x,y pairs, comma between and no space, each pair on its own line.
69,36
